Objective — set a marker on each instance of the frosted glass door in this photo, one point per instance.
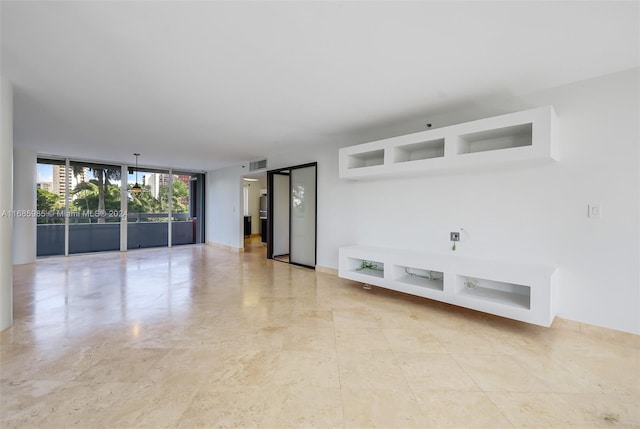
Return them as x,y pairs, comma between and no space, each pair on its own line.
303,216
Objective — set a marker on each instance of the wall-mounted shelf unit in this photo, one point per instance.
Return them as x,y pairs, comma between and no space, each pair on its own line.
517,291
515,137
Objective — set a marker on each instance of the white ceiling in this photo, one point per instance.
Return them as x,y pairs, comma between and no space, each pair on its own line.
203,85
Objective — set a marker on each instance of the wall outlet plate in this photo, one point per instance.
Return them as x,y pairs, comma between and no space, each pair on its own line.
455,236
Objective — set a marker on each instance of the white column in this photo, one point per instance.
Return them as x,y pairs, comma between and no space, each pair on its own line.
6,203
124,202
67,181
24,202
169,208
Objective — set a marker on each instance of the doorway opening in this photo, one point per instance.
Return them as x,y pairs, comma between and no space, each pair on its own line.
254,203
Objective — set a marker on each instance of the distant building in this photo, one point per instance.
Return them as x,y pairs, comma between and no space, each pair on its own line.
59,183
46,186
157,181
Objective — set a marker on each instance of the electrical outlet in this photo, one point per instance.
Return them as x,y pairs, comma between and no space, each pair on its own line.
455,236
594,211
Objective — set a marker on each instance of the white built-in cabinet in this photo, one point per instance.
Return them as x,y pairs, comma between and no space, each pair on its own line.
510,139
515,290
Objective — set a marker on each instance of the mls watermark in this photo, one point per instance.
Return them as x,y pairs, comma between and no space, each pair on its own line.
64,213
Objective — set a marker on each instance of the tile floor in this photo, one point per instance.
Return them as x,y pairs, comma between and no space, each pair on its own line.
202,337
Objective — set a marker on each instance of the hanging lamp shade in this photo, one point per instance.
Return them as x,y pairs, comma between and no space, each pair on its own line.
136,189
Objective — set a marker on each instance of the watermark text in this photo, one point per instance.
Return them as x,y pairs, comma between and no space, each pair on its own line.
63,213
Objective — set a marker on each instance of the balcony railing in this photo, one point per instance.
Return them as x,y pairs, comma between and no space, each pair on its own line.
87,235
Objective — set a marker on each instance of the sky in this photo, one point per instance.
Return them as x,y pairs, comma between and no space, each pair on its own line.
45,174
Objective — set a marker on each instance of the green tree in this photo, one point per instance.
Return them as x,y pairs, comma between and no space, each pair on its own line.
47,201
179,193
87,197
83,193
77,170
142,202
104,176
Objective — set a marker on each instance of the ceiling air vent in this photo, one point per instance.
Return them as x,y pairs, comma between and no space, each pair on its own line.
258,165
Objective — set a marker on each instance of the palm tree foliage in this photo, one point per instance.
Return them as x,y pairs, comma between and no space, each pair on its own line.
93,195
104,175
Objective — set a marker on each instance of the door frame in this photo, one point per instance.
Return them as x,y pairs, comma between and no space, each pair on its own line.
270,209
286,170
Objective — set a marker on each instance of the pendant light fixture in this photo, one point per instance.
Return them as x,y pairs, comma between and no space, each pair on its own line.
136,189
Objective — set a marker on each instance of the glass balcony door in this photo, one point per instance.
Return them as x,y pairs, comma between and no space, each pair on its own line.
148,209
50,189
187,213
94,207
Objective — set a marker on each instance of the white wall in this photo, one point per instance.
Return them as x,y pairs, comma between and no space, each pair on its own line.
24,198
223,207
6,203
536,214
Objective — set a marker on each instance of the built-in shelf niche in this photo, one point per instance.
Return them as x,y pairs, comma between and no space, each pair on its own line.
366,267
366,159
417,151
509,289
510,294
496,139
430,279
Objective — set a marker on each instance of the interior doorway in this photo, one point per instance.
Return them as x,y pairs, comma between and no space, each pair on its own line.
254,229
292,220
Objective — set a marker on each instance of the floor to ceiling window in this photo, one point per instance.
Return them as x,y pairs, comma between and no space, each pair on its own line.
82,207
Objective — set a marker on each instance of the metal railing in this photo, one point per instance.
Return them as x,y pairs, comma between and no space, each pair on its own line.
91,236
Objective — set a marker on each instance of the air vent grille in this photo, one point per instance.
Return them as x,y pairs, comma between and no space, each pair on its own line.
258,165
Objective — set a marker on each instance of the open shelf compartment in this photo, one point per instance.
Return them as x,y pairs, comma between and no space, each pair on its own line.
421,277
417,151
510,294
496,139
365,159
366,267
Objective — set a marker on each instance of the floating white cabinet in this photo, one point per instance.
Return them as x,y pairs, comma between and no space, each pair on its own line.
517,291
525,136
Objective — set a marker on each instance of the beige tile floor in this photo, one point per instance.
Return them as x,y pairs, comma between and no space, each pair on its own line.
202,337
